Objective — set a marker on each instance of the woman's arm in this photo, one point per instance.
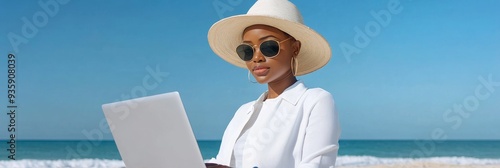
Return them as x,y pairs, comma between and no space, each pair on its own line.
322,134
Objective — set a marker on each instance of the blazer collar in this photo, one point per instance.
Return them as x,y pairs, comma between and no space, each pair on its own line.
291,94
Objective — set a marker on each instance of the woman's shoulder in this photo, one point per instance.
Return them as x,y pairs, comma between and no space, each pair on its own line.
318,102
318,92
314,96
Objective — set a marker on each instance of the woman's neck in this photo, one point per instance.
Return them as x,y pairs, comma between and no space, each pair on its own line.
275,88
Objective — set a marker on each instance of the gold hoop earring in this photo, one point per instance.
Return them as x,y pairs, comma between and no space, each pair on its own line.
294,64
248,76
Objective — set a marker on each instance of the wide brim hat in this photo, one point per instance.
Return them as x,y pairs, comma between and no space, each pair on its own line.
225,35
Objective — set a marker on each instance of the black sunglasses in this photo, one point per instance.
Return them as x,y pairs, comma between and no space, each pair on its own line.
268,48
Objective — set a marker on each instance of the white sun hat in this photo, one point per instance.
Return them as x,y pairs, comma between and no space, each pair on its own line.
225,35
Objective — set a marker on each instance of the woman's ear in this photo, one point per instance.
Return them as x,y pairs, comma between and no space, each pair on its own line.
296,47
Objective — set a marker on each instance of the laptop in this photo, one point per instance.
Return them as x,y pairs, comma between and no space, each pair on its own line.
153,131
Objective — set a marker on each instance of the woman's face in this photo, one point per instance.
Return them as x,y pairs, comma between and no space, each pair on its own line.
265,69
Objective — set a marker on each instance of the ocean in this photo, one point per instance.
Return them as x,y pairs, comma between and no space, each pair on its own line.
352,152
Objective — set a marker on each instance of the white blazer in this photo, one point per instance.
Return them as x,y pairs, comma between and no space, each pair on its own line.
303,131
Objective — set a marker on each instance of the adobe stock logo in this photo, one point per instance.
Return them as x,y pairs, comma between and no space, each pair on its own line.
372,29
30,26
456,115
223,7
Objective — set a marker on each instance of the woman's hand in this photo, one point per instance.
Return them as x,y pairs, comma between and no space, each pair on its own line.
214,165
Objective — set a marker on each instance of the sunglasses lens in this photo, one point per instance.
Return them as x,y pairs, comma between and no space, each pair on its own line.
270,48
245,52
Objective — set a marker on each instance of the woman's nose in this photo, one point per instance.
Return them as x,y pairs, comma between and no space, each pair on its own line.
257,56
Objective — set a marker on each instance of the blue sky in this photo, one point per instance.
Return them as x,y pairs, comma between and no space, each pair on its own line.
430,57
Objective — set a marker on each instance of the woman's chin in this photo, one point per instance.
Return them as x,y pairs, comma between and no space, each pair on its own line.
262,79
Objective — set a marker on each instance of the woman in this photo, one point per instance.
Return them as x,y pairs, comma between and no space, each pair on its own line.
290,125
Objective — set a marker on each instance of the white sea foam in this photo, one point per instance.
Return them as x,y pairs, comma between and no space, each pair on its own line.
76,163
370,160
341,161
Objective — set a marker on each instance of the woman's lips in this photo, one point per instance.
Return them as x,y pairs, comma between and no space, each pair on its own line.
260,70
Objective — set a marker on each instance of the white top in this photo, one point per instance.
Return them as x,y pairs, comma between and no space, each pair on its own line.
299,129
237,159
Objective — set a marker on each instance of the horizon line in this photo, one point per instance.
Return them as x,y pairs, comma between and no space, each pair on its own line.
221,140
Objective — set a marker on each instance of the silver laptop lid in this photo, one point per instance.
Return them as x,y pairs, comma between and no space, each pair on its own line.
153,131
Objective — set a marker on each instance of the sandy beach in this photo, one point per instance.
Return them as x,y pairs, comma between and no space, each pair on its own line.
423,165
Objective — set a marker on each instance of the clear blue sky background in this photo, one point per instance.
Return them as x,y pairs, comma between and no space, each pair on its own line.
428,58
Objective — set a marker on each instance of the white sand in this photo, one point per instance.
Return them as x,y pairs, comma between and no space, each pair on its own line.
423,165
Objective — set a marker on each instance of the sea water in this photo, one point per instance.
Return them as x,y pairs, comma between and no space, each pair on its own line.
352,152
